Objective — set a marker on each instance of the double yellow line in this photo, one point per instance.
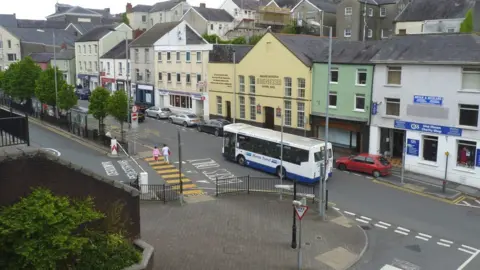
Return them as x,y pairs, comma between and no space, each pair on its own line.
171,175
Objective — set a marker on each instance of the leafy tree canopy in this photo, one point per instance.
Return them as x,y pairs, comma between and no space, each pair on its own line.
45,85
10,78
125,19
27,72
98,106
467,25
66,97
2,79
117,106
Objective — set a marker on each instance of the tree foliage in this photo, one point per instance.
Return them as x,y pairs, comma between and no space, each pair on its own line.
2,79
117,107
125,19
45,85
98,106
39,231
22,77
467,25
254,39
10,78
66,97
291,28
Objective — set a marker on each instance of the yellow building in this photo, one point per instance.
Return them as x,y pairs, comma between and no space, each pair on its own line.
275,76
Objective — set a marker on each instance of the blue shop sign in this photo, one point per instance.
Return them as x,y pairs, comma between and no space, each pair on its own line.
477,163
83,76
374,108
450,131
417,99
412,147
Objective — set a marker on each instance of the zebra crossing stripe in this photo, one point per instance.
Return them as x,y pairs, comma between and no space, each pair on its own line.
176,182
167,171
187,186
170,176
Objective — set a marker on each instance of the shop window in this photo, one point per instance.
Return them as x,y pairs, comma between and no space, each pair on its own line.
468,115
334,75
430,148
392,106
219,105
241,81
360,102
301,114
287,121
466,153
471,78
181,101
332,99
361,76
252,84
242,106
394,75
301,87
288,86
253,112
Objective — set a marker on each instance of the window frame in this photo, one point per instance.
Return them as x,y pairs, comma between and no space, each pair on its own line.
392,69
287,81
392,101
429,138
242,107
169,57
287,113
188,78
252,86
356,96
331,94
369,33
466,143
477,109
345,32
301,115
188,57
470,71
159,56
334,69
160,76
348,11
357,77
219,101
383,12
301,85
199,59
241,83
178,57
178,77
370,12
253,108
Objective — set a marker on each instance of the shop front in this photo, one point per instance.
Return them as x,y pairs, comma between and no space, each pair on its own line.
108,83
83,80
186,102
144,94
121,85
348,135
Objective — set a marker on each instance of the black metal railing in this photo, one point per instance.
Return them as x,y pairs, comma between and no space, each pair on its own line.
249,184
164,193
13,129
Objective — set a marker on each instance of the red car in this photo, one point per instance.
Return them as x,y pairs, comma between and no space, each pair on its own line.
375,165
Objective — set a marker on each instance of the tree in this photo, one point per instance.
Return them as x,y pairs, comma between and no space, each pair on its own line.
254,39
291,28
41,230
66,97
2,79
10,78
98,106
117,107
45,85
239,40
125,19
27,72
467,25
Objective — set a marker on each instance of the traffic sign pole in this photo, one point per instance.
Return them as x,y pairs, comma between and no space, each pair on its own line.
301,210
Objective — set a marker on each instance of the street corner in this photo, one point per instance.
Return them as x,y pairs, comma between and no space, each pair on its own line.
468,201
172,177
431,191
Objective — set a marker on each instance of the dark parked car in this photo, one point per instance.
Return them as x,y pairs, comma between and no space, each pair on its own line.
213,126
83,93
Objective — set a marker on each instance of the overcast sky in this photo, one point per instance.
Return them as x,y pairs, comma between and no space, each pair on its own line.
28,9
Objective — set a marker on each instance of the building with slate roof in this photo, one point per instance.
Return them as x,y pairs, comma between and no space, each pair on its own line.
425,97
115,69
432,16
144,17
316,15
210,21
91,46
74,14
64,60
8,20
180,74
367,19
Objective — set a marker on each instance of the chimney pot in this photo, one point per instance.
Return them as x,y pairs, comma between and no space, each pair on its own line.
129,8
202,5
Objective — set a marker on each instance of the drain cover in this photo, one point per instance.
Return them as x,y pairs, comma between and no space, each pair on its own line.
319,237
365,227
307,243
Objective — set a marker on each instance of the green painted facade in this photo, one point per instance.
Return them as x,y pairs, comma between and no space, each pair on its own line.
346,88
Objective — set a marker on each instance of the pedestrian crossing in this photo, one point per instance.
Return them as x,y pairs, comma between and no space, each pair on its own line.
172,177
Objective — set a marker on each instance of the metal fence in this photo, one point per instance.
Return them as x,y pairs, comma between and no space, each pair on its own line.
13,129
249,184
164,193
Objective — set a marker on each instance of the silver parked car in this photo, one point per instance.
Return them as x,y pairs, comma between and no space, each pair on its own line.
159,113
187,120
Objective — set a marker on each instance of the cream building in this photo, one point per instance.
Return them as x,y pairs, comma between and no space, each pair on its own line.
91,46
144,17
181,57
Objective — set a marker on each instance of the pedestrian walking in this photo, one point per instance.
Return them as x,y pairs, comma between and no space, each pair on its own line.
156,153
166,153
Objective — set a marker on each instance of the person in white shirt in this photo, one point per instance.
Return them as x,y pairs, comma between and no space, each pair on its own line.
166,153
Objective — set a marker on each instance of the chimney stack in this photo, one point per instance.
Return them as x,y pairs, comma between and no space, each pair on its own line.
129,8
202,5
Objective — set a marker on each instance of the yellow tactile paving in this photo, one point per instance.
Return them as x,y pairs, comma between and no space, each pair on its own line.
162,172
192,192
186,186
149,159
170,176
176,181
160,167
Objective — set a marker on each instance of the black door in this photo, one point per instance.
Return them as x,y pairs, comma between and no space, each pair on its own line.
229,144
229,111
269,118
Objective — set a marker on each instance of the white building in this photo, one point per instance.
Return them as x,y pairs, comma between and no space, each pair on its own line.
426,92
92,45
181,57
211,21
115,70
241,9
144,17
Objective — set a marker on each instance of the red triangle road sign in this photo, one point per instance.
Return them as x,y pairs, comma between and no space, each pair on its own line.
301,210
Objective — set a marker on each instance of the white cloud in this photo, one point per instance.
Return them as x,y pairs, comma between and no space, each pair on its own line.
28,9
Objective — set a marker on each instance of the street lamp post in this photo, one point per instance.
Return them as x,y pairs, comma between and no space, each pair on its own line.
234,86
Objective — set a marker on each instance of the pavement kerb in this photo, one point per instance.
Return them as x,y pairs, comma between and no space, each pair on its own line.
452,198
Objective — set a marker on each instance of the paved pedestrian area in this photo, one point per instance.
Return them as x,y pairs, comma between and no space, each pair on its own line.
247,232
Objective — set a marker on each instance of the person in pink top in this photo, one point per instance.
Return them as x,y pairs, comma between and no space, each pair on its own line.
156,153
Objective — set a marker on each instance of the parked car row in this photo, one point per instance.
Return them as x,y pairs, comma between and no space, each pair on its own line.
375,165
83,93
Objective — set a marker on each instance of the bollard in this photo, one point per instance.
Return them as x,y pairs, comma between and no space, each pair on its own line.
326,199
143,182
114,147
444,186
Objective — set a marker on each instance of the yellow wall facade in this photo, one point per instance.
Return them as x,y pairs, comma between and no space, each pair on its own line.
270,62
220,87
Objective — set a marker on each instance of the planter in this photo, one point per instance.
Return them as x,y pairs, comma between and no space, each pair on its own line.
147,256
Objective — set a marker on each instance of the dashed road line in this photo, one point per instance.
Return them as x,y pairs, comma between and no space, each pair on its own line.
338,209
421,238
443,244
366,218
381,226
403,229
401,232
425,235
466,251
446,241
384,223
349,213
361,220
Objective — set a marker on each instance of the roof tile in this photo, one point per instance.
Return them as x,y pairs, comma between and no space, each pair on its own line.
214,14
148,38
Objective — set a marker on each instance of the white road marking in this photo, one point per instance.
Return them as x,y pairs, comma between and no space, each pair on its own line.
381,226
177,162
202,181
384,223
349,213
369,177
361,220
446,241
425,235
356,174
477,201
366,218
422,238
54,151
443,244
468,260
466,203
466,251
338,209
109,168
403,229
400,232
129,171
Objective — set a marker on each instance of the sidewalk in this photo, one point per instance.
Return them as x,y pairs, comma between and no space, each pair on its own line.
253,231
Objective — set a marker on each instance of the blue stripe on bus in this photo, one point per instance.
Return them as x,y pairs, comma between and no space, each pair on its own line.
292,176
